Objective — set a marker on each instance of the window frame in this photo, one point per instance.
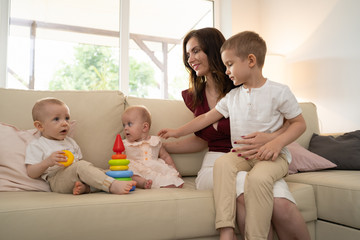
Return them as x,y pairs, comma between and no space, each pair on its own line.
124,38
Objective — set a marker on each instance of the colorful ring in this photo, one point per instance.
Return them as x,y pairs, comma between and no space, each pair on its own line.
119,162
69,158
120,174
124,179
119,168
118,156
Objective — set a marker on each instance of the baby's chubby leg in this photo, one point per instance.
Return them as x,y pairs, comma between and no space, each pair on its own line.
70,180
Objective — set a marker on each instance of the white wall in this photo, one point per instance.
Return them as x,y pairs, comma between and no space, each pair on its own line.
320,44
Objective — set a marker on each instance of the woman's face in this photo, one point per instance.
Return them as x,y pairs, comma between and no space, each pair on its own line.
197,59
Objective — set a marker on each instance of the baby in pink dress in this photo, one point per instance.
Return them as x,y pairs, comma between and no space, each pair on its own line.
153,167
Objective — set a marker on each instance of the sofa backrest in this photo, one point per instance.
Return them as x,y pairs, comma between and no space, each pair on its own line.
97,115
98,120
310,115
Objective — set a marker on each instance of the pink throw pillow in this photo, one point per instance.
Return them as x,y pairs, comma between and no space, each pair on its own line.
305,161
13,175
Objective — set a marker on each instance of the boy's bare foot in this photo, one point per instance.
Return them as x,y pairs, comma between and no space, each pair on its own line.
80,188
147,184
121,187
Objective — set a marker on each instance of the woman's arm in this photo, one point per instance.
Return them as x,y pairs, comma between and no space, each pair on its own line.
187,145
194,125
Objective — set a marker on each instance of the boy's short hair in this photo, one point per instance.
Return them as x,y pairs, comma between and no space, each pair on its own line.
245,43
145,113
41,103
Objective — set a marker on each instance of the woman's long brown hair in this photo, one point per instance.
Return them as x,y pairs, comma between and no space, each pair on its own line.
210,41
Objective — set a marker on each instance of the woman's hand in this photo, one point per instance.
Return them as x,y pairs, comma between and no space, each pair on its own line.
254,146
168,132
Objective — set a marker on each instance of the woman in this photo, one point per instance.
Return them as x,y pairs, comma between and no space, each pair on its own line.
208,84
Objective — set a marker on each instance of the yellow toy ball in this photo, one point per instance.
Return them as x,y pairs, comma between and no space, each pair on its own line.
70,158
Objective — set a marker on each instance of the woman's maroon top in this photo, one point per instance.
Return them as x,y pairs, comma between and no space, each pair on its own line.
218,140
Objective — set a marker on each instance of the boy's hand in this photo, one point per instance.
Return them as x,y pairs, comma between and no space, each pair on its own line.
167,132
269,151
55,158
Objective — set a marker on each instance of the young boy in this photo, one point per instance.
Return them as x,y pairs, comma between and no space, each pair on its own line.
44,156
258,105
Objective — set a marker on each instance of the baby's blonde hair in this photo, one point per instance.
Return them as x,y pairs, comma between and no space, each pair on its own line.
144,112
38,108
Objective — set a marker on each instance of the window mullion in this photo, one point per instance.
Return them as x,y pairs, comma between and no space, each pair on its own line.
4,33
124,19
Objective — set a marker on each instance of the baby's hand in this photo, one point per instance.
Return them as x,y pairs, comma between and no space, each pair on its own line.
167,132
55,158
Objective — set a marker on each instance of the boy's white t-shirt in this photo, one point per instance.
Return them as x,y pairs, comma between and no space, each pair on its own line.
41,148
259,110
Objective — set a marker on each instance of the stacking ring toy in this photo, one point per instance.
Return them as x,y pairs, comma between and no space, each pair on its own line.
119,168
118,156
124,179
120,174
70,158
119,162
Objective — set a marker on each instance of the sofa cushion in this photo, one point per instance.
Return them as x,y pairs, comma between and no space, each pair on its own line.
343,150
304,161
13,175
305,200
337,194
164,213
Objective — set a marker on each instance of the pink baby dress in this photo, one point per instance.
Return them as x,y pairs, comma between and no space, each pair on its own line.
145,162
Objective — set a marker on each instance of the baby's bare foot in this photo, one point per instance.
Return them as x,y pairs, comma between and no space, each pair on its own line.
121,187
80,188
147,184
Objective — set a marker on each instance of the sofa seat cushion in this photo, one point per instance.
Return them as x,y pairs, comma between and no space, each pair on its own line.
165,213
305,200
337,194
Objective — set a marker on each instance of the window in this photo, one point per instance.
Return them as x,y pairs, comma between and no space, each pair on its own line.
76,44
